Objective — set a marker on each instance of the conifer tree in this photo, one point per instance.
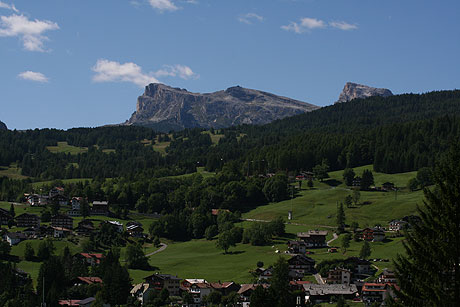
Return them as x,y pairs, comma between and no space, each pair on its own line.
340,219
429,275
365,251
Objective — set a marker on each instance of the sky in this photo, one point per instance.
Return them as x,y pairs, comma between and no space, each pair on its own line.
83,63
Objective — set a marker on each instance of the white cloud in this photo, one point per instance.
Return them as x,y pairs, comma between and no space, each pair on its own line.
305,24
30,31
181,71
249,18
111,71
7,6
342,25
33,76
163,5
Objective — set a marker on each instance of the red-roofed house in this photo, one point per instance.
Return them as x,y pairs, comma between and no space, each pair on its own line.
90,259
79,281
226,287
376,292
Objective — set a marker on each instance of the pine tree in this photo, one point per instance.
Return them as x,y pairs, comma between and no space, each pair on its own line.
429,275
365,251
12,213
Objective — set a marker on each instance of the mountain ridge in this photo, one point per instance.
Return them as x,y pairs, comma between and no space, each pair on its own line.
3,126
166,108
353,90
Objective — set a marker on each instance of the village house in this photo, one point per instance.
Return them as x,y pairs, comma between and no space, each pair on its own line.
14,238
87,302
100,208
28,220
36,200
338,276
63,221
199,291
142,292
264,274
135,231
225,287
59,199
298,284
245,292
56,191
316,294
117,225
5,217
387,276
60,232
361,266
297,247
301,264
164,281
85,228
90,259
313,238
376,292
375,234
397,225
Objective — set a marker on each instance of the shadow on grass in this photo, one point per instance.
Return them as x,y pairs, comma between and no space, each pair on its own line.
234,252
332,182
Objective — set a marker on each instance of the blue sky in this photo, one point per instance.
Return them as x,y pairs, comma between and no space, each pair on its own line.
75,63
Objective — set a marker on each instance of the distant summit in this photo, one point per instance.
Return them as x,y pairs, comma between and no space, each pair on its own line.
165,108
353,90
3,126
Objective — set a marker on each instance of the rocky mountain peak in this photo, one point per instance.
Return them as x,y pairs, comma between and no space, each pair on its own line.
353,90
166,108
3,126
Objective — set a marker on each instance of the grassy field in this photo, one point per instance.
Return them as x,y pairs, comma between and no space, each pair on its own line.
318,206
64,147
12,172
73,180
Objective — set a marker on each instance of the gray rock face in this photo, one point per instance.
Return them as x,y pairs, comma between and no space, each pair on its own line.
354,90
165,108
3,126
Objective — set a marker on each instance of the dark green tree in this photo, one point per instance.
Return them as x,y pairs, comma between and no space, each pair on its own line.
349,176
356,197
346,242
367,179
320,170
425,176
12,213
5,248
349,201
210,232
260,297
52,277
429,274
84,208
279,283
29,252
365,251
413,184
135,257
225,240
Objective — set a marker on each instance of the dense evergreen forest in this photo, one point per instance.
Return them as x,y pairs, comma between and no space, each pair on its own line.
396,134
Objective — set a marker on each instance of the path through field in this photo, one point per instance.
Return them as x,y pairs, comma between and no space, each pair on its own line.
162,248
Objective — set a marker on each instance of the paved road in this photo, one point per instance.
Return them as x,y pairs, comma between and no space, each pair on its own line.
162,248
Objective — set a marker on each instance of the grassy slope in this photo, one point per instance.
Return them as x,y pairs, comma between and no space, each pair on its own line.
12,172
64,147
319,205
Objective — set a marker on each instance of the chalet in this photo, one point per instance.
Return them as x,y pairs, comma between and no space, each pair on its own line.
297,247
199,291
135,231
80,281
133,223
27,220
298,284
216,212
245,292
376,292
361,266
375,234
387,276
85,228
14,238
90,259
5,217
397,225
301,264
36,200
142,292
61,220
316,294
100,208
60,232
117,225
31,231
56,191
264,274
164,281
75,202
226,287
313,238
58,200
339,276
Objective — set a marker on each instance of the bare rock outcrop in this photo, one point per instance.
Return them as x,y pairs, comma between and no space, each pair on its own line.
353,90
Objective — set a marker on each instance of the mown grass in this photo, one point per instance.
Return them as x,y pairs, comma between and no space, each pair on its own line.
64,147
39,184
12,172
318,206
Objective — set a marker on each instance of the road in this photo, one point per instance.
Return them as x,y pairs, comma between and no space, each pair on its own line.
334,237
162,248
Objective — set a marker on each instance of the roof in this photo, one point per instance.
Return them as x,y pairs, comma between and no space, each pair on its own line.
247,287
61,229
299,282
223,285
163,276
337,289
312,233
195,280
86,301
27,215
143,287
301,258
89,255
90,280
69,302
16,235
100,203
61,216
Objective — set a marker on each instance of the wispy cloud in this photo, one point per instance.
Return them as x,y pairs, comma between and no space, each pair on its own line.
249,18
30,31
307,24
7,6
163,5
111,71
33,76
342,25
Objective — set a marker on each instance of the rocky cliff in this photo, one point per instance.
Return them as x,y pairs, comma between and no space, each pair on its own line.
3,126
354,90
165,108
